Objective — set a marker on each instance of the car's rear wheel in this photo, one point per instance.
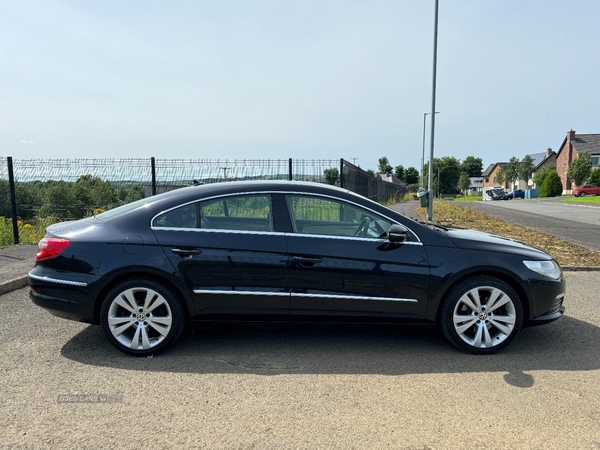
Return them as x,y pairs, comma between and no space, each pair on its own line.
141,317
582,194
481,315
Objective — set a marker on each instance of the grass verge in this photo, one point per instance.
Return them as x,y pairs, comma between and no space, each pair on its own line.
565,253
595,200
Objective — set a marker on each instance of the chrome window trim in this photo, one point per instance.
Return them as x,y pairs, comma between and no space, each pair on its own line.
276,232
293,294
57,280
353,238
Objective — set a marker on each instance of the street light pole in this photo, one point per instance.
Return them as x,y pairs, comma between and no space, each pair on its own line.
430,187
423,155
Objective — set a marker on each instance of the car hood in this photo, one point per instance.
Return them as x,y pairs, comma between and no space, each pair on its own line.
478,240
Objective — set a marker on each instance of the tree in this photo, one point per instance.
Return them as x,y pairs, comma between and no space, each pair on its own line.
551,187
595,177
370,172
526,168
580,169
472,166
332,175
399,172
384,166
464,182
500,176
541,173
512,171
411,176
449,170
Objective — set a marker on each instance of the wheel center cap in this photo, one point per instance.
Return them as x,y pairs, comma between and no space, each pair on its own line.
482,316
141,317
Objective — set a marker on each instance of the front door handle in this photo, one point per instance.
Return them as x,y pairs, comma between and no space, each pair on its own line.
306,262
183,252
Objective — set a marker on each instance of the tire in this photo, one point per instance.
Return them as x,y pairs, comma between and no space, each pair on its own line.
481,315
141,317
582,194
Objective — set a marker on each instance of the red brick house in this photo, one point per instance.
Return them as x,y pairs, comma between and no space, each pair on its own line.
489,175
573,146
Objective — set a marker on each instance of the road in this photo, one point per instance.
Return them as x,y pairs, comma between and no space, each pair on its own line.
578,224
334,388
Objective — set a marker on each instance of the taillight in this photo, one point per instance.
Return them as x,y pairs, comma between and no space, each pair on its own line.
49,248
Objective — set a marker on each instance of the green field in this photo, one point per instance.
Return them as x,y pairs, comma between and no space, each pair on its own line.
468,198
594,200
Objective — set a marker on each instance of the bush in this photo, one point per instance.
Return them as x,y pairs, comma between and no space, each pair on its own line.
551,186
595,177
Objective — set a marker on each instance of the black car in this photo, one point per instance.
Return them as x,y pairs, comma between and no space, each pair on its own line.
287,252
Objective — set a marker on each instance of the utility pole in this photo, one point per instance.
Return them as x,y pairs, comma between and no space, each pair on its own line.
430,187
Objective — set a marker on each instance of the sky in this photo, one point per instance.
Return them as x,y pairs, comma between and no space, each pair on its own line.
326,79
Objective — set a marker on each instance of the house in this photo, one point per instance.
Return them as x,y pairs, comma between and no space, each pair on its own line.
574,145
539,160
391,178
475,186
489,175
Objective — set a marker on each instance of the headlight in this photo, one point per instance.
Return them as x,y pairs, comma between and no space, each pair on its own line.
549,269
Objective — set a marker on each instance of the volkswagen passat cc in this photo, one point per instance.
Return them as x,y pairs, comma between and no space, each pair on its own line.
287,252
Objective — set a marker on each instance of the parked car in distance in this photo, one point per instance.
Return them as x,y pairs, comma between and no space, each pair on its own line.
586,189
280,252
517,193
493,193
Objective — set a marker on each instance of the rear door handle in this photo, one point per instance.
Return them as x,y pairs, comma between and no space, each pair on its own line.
306,262
186,251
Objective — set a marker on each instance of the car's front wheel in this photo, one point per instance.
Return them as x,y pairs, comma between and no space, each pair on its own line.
481,315
141,317
582,194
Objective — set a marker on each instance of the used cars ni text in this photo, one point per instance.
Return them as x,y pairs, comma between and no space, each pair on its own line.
287,252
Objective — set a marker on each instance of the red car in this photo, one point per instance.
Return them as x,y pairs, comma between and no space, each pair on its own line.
586,189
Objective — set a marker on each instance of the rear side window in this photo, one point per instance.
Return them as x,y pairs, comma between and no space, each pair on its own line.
183,217
243,212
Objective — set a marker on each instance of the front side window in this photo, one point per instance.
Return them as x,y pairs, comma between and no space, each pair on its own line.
315,215
243,212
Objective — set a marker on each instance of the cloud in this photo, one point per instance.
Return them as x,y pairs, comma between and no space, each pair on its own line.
26,142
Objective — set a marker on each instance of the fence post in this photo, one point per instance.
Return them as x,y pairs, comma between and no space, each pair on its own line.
13,199
341,172
290,170
153,165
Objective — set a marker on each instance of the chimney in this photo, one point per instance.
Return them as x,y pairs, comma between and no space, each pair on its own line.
548,152
570,135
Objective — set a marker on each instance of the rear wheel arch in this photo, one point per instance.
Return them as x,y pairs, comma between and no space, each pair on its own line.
186,303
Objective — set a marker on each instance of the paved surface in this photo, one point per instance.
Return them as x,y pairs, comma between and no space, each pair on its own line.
300,388
15,263
579,224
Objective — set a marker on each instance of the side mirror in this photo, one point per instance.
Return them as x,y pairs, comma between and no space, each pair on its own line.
397,233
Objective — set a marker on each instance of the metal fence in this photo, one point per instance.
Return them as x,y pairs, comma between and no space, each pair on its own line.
73,188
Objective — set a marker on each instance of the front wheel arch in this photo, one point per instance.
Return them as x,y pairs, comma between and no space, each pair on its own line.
481,314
